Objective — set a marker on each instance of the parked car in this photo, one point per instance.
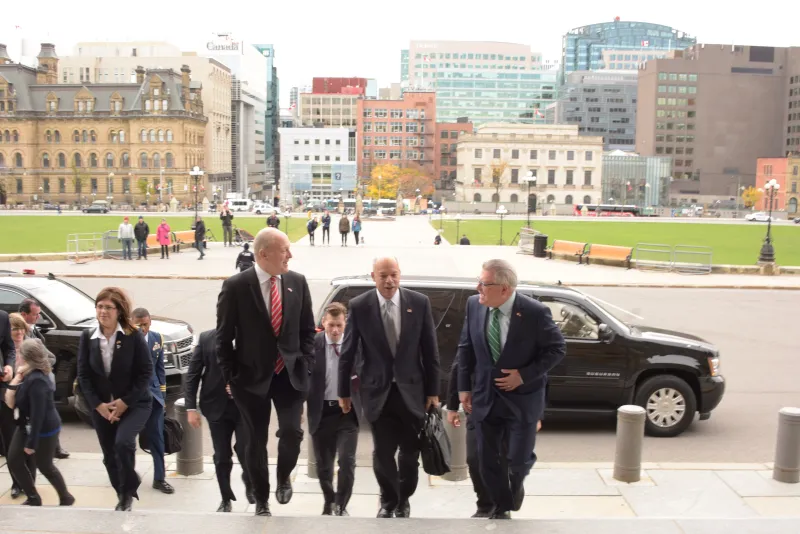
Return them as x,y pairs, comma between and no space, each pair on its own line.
610,361
96,208
262,208
50,207
797,220
67,311
758,216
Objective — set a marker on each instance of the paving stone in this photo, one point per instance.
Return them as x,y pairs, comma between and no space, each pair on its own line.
775,506
739,526
562,507
608,478
758,484
562,482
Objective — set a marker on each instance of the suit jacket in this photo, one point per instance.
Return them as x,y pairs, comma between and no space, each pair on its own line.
7,351
242,317
534,346
316,393
214,400
158,381
131,369
415,365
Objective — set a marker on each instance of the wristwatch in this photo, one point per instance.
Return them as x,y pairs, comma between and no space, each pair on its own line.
13,387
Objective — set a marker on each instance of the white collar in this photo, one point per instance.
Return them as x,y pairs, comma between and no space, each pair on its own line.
506,307
329,342
98,333
264,276
395,298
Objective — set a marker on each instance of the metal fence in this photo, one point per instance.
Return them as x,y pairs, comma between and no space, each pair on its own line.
653,257
112,247
684,259
82,248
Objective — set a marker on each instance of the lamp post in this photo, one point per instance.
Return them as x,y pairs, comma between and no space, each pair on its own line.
197,175
531,179
108,187
160,185
458,226
501,211
286,220
767,254
739,192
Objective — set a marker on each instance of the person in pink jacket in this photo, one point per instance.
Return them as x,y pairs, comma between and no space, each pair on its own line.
163,238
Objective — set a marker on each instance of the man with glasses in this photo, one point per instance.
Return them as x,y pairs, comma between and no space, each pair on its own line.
508,344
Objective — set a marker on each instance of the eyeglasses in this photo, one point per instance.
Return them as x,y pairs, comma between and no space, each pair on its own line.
481,283
100,307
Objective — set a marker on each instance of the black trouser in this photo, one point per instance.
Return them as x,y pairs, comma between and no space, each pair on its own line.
118,443
7,428
344,238
355,234
255,412
165,251
337,432
199,246
142,248
484,502
22,466
222,430
326,231
311,236
227,234
396,427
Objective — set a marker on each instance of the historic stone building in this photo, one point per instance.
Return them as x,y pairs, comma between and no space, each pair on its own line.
126,143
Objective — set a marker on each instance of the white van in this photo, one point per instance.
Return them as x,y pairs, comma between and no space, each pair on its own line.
264,208
240,204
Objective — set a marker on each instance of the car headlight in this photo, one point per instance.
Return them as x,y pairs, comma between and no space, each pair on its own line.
713,365
169,349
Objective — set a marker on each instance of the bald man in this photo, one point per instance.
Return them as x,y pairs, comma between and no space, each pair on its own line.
265,348
399,379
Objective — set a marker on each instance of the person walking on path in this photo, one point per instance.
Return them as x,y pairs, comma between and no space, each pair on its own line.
344,228
357,227
311,226
141,231
162,234
125,236
227,232
200,236
326,227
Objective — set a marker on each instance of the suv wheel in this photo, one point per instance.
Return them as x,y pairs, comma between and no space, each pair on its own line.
669,404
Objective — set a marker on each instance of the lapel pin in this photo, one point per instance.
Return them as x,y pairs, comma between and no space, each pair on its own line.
289,289
519,314
408,310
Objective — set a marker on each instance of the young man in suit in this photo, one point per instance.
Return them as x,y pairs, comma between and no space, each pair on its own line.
223,416
508,344
399,380
8,354
331,429
267,312
154,429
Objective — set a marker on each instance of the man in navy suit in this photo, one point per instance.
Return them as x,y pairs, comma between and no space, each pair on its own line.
508,344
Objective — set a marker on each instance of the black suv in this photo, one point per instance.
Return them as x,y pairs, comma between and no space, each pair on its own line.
609,362
67,311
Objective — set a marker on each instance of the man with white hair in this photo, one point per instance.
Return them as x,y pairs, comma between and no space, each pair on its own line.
508,344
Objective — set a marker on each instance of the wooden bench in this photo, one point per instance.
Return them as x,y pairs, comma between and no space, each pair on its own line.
566,248
608,253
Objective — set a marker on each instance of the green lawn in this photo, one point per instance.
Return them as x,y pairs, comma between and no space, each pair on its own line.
36,233
733,244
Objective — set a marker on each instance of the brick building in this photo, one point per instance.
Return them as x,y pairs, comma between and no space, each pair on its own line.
447,136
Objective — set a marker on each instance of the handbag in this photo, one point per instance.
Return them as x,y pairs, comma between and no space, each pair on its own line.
173,437
434,444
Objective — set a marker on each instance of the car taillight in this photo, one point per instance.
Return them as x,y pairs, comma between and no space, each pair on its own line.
713,365
28,271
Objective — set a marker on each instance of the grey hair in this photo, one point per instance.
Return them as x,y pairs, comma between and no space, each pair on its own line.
264,239
381,258
35,355
503,271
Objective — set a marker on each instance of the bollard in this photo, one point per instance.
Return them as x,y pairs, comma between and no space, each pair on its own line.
458,448
190,457
312,460
787,449
630,435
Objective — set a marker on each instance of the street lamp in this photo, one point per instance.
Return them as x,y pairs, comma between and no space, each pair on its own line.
767,254
108,187
197,175
458,226
502,212
531,179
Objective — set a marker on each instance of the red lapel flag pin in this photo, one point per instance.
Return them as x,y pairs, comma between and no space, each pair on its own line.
519,314
408,310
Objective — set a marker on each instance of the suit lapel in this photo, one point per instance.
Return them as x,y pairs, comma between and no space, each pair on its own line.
406,317
95,356
255,289
514,326
120,347
321,364
480,320
375,311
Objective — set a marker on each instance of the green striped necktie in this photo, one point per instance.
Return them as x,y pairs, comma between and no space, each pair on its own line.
494,334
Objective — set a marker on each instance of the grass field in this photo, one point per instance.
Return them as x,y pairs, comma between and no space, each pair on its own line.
733,244
35,233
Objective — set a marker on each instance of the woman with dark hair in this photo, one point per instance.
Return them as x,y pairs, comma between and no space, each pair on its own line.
114,371
38,424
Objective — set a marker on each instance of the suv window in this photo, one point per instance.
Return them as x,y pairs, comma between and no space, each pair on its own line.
10,300
574,321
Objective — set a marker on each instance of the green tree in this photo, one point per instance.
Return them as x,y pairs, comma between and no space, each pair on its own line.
751,196
79,179
498,169
143,186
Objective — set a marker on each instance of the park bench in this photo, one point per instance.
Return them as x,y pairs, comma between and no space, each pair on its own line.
566,248
608,253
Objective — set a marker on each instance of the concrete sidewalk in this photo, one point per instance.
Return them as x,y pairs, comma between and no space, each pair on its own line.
554,491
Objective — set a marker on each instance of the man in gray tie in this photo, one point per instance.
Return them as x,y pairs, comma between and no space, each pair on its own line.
399,378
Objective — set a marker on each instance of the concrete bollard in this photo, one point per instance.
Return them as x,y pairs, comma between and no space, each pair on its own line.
312,460
630,435
458,447
190,457
787,448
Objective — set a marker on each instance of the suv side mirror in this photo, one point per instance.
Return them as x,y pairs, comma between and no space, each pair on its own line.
605,333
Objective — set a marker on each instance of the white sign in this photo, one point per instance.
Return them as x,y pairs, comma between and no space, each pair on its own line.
225,45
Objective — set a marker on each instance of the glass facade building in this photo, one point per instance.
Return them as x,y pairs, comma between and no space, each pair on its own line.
631,179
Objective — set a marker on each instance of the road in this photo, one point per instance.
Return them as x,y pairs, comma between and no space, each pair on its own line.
754,330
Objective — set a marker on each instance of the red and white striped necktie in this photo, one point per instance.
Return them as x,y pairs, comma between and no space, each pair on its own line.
276,314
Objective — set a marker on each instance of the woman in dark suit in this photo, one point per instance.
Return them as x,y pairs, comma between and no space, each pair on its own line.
114,371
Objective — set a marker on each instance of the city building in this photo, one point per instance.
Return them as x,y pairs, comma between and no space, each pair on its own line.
568,167
447,136
248,159
393,92
484,81
786,172
397,132
631,179
599,103
716,109
126,143
585,48
328,110
317,165
116,62
273,118
365,87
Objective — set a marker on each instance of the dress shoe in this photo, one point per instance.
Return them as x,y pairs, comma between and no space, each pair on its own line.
225,506
340,511
16,492
500,514
33,500
481,514
67,500
251,497
518,494
284,492
327,508
262,509
62,454
385,513
403,509
125,503
163,487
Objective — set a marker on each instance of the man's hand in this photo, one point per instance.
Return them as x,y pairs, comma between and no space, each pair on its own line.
466,400
538,425
431,401
228,390
8,373
510,382
104,411
453,419
194,419
118,407
28,451
345,404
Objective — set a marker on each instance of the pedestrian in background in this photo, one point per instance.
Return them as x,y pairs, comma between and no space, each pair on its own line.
200,236
245,259
141,231
344,228
464,240
357,227
125,236
162,234
273,221
311,226
326,227
227,233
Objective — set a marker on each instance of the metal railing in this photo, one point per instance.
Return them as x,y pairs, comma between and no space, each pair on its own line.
653,257
82,248
683,259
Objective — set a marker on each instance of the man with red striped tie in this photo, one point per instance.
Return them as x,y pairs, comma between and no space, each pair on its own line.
265,348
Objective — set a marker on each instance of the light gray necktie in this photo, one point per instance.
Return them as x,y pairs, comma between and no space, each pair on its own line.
389,326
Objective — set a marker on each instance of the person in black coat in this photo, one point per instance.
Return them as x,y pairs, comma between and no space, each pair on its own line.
245,259
8,354
141,231
114,372
200,236
311,226
38,424
217,405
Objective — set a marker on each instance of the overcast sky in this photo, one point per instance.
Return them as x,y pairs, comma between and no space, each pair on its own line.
364,38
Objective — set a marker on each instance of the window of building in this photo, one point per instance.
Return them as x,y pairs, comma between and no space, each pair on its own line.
514,176
534,154
380,114
515,154
588,155
380,154
152,136
551,176
496,153
570,155
57,136
62,160
551,155
477,174
62,185
125,160
453,134
767,170
76,160
587,177
478,153
143,160
570,174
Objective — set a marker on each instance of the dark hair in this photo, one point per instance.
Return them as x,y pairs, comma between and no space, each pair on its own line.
247,246
25,305
121,302
335,309
140,313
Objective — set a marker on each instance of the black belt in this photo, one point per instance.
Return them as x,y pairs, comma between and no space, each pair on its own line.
330,403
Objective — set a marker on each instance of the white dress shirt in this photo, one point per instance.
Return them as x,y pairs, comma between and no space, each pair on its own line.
331,369
505,319
107,346
263,281
394,310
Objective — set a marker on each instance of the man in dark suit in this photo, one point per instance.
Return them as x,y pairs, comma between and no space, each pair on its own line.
508,344
8,354
266,311
399,380
332,430
223,416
